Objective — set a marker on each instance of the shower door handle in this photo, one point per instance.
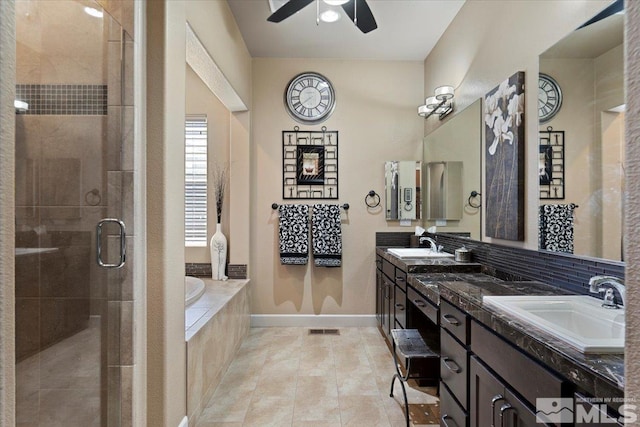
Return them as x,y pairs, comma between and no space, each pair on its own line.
123,243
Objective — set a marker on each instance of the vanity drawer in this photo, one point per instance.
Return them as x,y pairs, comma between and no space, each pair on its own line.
451,414
454,366
401,279
422,304
454,321
389,269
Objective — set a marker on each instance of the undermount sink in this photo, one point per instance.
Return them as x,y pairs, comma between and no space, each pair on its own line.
417,253
578,320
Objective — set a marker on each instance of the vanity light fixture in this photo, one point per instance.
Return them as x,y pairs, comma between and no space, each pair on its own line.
440,103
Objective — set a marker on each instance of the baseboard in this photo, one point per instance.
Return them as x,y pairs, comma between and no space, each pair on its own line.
313,321
184,422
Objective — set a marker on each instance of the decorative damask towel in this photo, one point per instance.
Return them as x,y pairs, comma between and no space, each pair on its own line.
294,234
556,227
326,235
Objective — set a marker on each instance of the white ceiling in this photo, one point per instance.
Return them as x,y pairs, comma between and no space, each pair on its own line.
407,30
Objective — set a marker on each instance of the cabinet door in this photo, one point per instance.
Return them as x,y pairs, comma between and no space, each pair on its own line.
518,413
379,296
486,396
387,307
400,307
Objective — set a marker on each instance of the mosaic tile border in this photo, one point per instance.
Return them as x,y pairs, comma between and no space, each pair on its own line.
80,100
234,271
565,271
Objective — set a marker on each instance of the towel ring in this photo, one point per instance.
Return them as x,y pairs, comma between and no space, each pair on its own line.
473,195
375,199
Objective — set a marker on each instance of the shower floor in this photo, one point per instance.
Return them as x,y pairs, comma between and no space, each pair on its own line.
60,386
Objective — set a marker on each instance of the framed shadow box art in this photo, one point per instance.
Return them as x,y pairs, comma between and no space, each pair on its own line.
310,167
309,164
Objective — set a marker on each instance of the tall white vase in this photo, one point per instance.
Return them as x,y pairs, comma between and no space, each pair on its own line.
218,247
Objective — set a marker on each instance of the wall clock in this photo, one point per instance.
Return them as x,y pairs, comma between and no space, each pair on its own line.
310,98
549,98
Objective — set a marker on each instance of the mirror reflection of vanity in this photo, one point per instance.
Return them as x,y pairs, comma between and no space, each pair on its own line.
458,141
403,182
588,66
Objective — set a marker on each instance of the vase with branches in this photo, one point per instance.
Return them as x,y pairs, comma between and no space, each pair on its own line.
218,244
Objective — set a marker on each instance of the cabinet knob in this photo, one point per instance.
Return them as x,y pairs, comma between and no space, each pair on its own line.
445,423
400,306
419,303
450,318
494,400
503,409
399,279
451,365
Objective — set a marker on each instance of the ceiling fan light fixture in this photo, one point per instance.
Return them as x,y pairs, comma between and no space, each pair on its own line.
329,16
336,2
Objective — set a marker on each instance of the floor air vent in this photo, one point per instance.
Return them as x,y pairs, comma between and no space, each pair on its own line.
324,331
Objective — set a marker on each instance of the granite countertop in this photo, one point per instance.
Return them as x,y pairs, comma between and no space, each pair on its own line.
428,265
600,375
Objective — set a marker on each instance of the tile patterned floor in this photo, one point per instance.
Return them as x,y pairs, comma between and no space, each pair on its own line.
286,377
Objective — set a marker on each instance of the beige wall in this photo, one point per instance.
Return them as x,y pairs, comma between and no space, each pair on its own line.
475,56
166,88
376,118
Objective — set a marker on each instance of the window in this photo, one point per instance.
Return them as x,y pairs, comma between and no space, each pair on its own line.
195,182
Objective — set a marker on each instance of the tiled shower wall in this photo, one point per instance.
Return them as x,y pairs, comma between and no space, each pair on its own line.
557,269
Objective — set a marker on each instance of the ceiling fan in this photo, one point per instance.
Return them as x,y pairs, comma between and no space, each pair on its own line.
357,10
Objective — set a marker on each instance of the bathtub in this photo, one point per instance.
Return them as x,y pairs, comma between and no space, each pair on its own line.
193,289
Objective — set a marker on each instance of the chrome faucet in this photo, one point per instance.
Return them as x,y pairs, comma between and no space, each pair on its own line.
432,243
608,284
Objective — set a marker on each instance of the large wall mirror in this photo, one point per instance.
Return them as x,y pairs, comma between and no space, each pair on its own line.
581,159
458,142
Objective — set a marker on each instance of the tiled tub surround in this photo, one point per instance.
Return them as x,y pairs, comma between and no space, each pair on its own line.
215,327
599,375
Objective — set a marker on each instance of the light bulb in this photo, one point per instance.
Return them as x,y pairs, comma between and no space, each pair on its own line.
335,2
329,16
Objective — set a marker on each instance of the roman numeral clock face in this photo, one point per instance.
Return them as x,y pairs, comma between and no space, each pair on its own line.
310,98
549,98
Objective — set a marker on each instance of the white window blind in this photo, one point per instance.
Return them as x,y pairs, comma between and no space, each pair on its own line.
195,227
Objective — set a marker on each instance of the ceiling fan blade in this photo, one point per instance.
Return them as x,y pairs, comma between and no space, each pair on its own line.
365,20
288,9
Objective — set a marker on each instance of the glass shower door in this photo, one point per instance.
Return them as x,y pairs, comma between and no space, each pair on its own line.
74,168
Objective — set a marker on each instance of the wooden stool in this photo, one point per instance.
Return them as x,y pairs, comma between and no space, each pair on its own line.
411,346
